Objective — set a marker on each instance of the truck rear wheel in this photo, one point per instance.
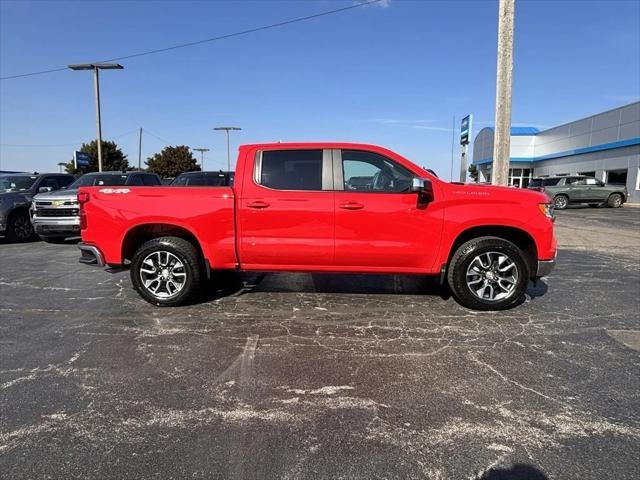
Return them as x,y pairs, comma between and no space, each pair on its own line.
166,271
488,273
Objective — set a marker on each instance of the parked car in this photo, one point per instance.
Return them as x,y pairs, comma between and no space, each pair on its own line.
293,207
203,179
578,189
55,215
16,192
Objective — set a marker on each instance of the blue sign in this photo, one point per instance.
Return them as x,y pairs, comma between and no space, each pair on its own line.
465,130
81,159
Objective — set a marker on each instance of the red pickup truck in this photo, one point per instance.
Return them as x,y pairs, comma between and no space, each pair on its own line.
323,207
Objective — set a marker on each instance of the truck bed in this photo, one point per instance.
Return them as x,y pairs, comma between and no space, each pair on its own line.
113,214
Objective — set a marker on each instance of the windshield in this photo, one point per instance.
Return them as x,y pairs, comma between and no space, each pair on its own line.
17,183
99,180
201,179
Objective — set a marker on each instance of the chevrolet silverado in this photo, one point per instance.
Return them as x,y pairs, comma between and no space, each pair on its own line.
323,207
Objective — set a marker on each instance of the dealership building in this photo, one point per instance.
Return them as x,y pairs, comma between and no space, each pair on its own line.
605,146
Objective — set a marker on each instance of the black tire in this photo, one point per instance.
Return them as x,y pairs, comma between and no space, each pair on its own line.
191,263
594,205
560,202
19,228
467,253
614,200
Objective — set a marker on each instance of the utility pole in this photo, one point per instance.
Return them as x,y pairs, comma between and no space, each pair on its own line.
140,151
453,143
502,132
96,67
227,130
201,150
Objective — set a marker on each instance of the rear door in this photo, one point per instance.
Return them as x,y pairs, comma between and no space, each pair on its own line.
379,224
285,215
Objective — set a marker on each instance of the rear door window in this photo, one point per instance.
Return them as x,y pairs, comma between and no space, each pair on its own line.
551,182
290,169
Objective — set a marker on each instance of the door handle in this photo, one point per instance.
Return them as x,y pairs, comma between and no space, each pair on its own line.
351,206
258,204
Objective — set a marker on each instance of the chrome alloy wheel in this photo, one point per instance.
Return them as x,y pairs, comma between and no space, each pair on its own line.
492,276
162,274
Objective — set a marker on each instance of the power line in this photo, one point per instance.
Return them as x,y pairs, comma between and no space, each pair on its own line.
207,40
166,142
62,144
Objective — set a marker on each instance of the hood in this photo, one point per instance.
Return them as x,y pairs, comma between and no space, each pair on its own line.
495,193
57,195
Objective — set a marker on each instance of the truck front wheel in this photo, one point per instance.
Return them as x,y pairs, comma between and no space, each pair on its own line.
488,273
166,271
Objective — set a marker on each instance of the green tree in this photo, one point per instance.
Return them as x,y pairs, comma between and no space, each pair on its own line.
473,172
172,161
112,158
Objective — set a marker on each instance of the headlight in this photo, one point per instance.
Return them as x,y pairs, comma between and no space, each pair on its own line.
546,209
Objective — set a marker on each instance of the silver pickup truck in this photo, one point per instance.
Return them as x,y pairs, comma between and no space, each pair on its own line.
55,215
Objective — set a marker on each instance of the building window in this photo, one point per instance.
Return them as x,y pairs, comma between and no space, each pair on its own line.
590,173
617,177
520,177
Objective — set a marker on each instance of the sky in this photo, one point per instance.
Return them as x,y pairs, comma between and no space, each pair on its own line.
394,74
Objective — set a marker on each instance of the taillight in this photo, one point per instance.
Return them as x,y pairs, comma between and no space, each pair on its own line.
83,197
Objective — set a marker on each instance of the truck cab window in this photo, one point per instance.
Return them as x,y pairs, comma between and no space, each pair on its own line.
291,169
370,172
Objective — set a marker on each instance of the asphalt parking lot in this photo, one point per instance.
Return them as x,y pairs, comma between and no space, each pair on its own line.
319,376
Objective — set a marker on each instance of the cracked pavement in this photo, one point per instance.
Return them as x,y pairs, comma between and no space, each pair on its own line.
300,376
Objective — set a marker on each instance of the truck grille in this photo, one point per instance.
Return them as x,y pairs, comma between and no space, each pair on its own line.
57,212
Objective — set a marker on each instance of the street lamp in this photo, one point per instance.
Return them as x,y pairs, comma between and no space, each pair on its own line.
201,150
228,129
96,85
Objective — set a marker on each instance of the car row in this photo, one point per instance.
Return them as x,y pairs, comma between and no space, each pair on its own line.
46,205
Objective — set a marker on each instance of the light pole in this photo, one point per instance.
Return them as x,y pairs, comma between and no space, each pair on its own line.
201,150
96,67
228,129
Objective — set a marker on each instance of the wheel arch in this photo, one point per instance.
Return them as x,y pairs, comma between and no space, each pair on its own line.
519,237
140,234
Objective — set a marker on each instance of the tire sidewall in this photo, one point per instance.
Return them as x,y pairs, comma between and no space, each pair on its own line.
11,234
612,198
191,269
462,259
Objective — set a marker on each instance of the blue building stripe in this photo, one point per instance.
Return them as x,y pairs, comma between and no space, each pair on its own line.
569,153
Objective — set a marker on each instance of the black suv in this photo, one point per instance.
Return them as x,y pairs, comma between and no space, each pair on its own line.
16,192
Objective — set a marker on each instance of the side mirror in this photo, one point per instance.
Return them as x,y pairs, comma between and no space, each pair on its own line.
424,189
44,189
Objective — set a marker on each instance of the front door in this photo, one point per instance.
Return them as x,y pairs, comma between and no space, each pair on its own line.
379,224
285,215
